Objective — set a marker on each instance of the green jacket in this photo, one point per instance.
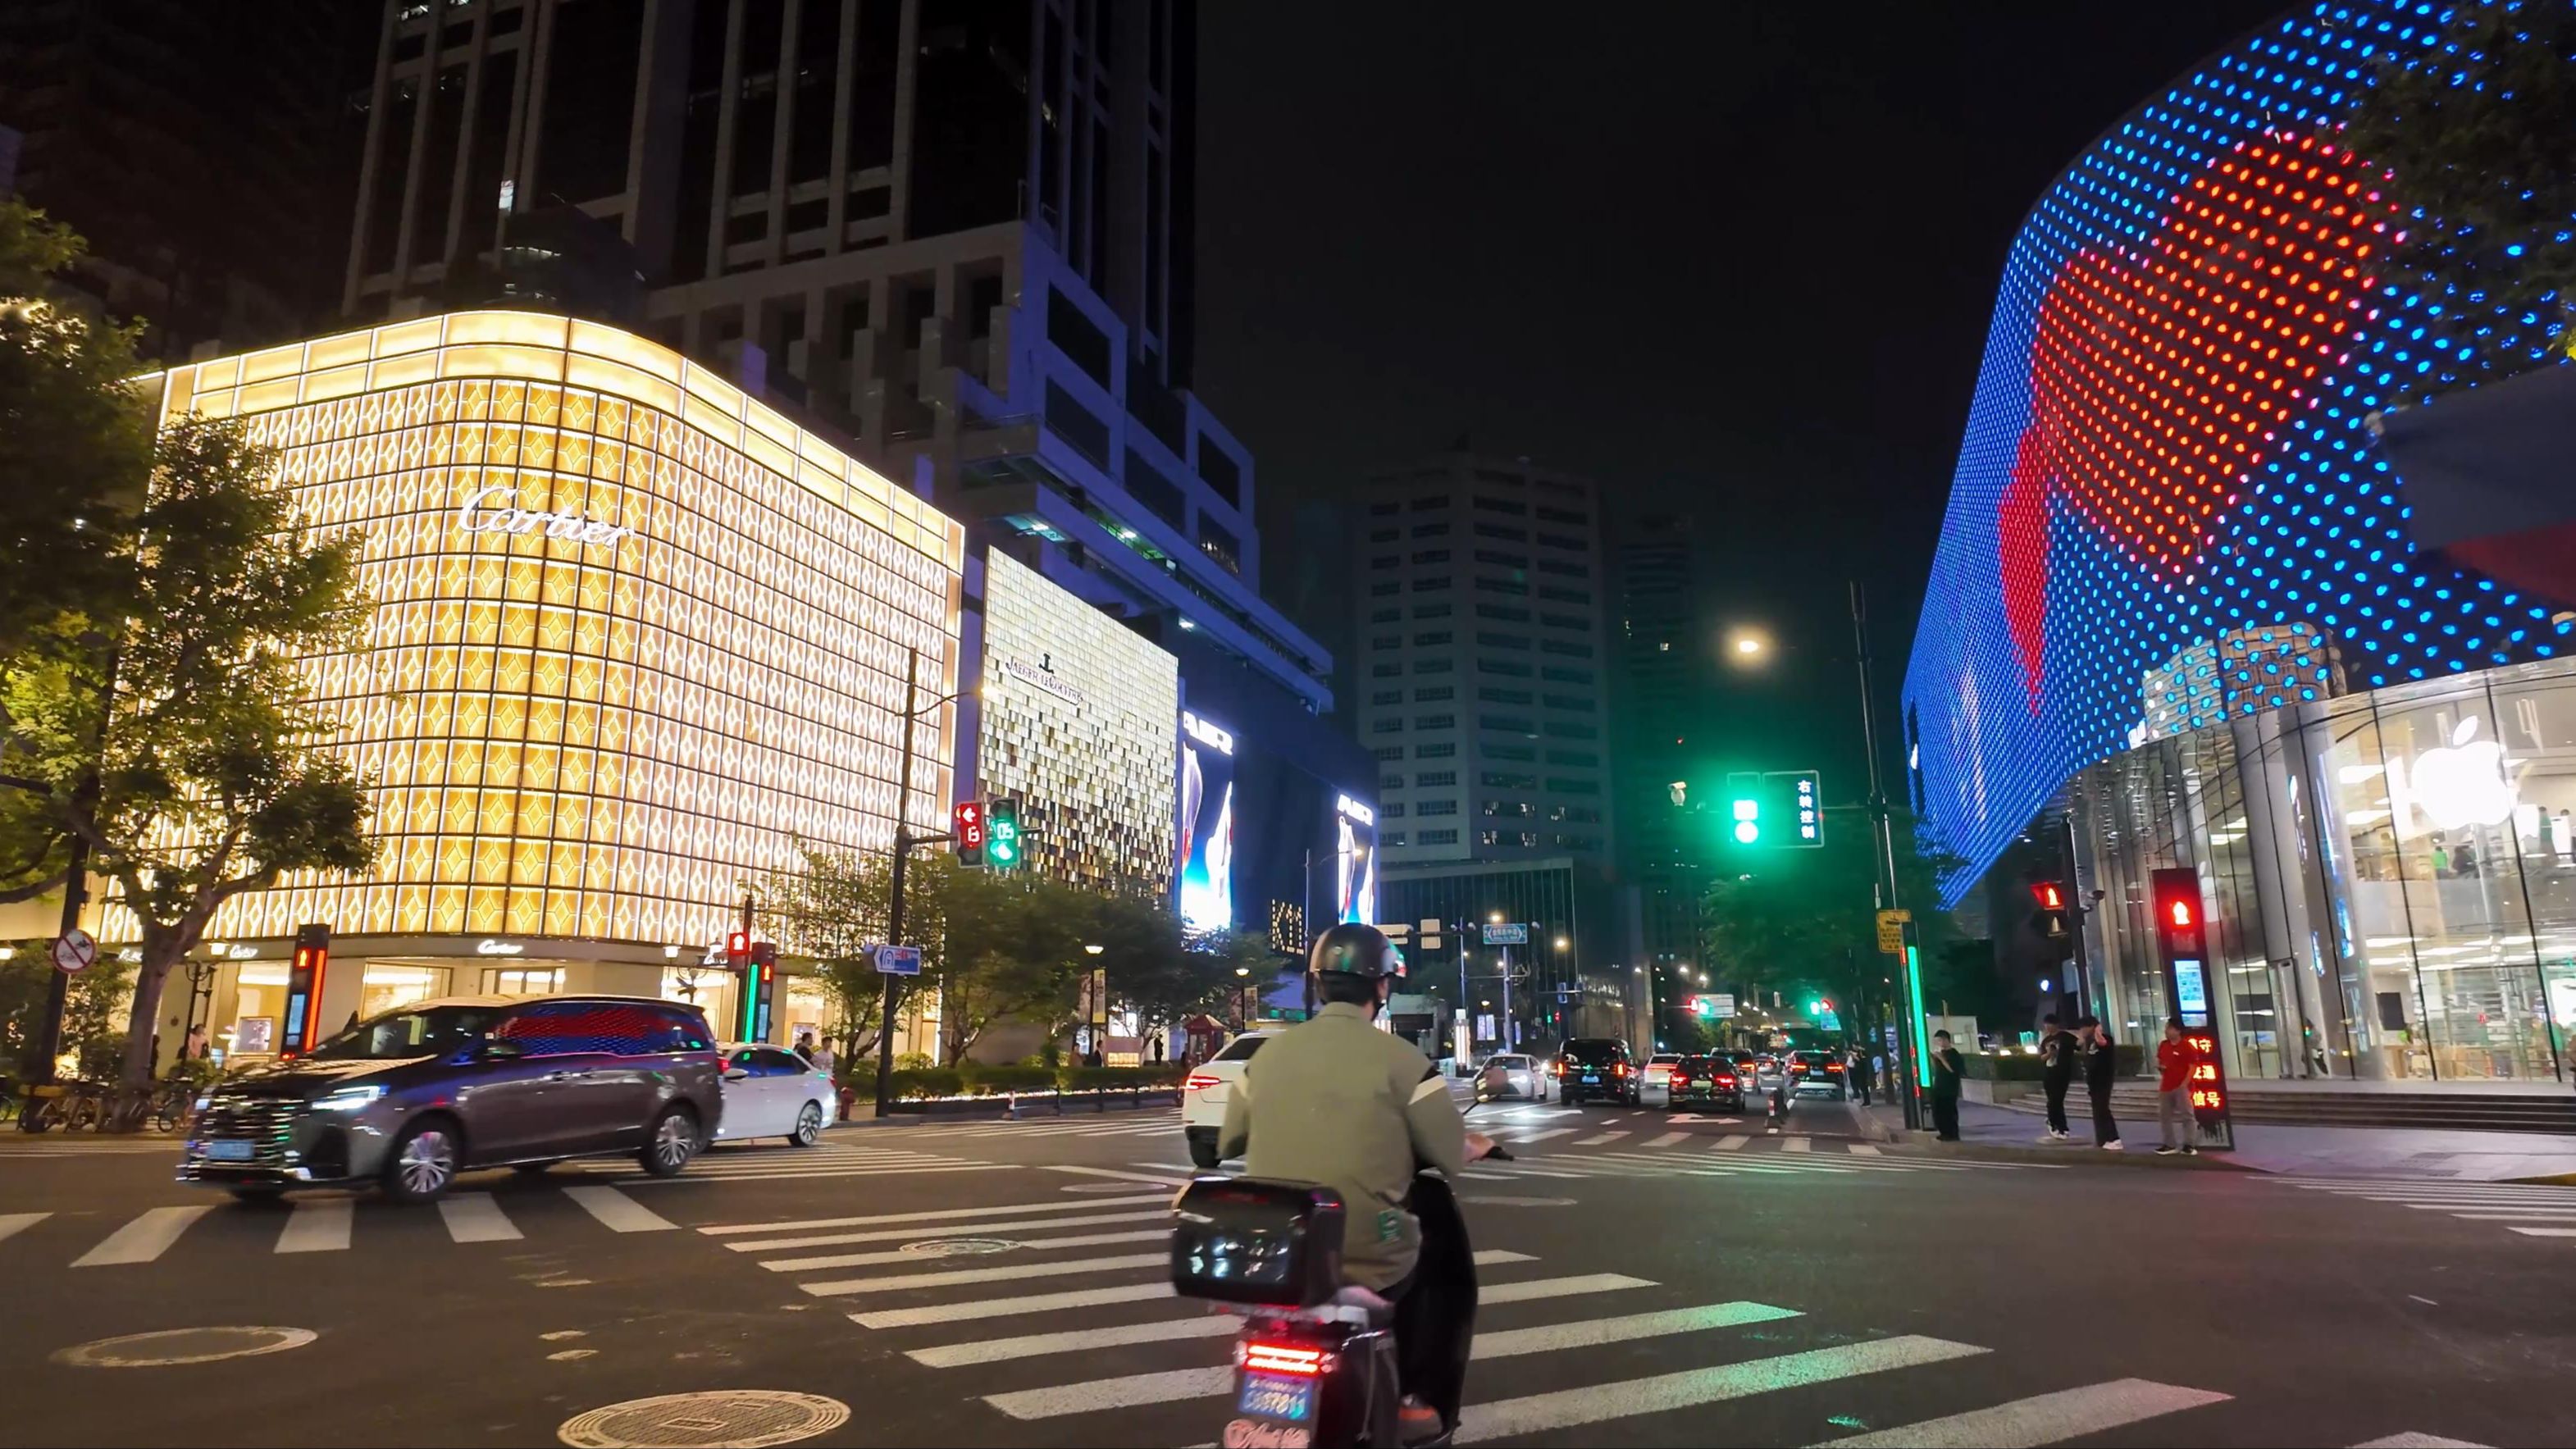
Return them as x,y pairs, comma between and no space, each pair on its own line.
1339,1103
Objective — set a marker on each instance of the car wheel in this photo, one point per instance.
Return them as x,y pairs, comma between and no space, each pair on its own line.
423,1161
671,1143
1203,1156
257,1196
809,1126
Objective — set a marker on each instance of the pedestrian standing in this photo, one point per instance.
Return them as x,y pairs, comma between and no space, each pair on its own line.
2173,1092
1947,1069
2056,1073
821,1057
1856,1067
805,1046
2100,1062
1158,1051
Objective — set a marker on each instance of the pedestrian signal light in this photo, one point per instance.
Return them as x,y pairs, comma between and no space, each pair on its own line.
966,826
304,990
737,949
2178,912
2050,919
1002,841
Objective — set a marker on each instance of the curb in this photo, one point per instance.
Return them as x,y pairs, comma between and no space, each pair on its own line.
2143,1157
1870,1127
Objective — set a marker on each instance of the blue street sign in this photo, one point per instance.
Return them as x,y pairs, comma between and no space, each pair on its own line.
897,960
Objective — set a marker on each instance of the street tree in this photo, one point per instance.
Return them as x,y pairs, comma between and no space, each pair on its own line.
1803,922
165,721
829,910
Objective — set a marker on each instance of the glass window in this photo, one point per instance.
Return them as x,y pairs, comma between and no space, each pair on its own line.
523,981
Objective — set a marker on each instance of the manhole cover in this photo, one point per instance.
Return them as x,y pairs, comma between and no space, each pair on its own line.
182,1345
717,1419
1521,1201
958,1247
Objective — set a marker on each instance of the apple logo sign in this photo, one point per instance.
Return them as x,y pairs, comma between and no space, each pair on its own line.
2462,783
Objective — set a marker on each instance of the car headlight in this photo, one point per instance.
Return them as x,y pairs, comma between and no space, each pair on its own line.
347,1099
203,1103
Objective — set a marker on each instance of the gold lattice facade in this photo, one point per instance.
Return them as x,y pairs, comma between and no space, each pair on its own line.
1080,725
634,632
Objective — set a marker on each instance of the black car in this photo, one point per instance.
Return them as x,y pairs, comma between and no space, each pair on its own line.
1596,1069
1818,1074
1707,1082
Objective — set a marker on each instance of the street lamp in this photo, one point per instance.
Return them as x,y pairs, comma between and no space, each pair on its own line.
1560,943
1749,646
1093,950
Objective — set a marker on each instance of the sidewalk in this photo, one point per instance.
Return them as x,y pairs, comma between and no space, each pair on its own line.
2302,1151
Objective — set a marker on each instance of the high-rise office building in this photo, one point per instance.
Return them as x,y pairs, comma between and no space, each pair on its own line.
198,154
1481,669
1662,688
954,232
1481,655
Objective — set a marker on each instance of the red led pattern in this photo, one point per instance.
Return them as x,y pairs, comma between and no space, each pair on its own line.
2160,373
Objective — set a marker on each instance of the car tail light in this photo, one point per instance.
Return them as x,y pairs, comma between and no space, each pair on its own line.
1200,1081
1680,1081
1283,1358
1557,1067
1833,1066
1726,1081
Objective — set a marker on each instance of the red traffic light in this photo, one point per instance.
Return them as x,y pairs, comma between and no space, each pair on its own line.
2050,898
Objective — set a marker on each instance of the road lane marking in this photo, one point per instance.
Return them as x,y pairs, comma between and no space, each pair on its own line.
1172,1179
144,1239
1029,1304
898,1282
886,1235
2517,1215
1796,1144
2411,1440
1524,1134
617,1212
2544,1232
1860,1149
1058,1205
1118,1393
1031,1345
1668,1139
1730,1142
898,1255
317,1225
472,1217
1597,1139
15,1223
2041,1419
643,1179
1590,1332
1569,1408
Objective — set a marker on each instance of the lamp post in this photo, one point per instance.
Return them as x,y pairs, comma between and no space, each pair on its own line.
904,841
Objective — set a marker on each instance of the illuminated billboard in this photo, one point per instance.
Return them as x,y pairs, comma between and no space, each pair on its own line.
1207,824
2171,506
1354,860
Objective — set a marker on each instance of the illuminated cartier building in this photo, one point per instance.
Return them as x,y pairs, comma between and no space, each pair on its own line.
2235,572
635,633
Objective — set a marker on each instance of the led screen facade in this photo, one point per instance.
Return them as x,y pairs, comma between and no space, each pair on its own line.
1354,860
1207,824
2169,507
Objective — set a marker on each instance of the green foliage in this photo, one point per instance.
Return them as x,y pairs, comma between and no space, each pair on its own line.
975,1079
158,592
90,1008
2479,133
1804,922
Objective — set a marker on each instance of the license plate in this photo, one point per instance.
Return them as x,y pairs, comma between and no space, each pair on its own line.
1591,1079
1273,1396
231,1151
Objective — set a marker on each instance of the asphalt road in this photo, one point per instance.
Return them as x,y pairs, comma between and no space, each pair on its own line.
1648,1280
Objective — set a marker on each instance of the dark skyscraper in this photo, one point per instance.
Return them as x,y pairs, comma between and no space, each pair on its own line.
955,232
1662,692
200,154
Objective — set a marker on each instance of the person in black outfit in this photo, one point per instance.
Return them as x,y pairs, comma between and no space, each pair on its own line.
2100,1061
1856,1074
2057,1053
1947,1069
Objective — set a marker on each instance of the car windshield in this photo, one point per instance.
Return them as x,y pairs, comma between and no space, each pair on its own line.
1592,1053
432,1032
1663,1059
1692,1066
1508,1064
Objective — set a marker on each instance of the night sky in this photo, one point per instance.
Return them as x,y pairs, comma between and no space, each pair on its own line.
1739,259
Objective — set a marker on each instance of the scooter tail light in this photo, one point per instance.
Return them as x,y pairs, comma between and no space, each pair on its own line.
1283,1358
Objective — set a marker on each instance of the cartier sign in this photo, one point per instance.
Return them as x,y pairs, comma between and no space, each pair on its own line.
488,510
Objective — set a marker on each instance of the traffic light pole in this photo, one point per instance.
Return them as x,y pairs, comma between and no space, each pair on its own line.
1907,1047
904,841
2078,910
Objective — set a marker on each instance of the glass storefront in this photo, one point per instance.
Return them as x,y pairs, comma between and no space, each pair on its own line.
2390,878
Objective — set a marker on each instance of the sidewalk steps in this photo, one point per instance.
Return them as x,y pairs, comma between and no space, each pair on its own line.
2548,1112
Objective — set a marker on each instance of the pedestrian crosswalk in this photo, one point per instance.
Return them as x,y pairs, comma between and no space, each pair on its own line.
2532,1210
18,1147
1066,1318
315,1223
828,1158
1733,1156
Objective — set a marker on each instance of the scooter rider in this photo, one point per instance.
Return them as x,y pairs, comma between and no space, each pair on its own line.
1337,1102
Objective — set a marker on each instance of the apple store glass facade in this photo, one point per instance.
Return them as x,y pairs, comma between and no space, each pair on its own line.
2390,878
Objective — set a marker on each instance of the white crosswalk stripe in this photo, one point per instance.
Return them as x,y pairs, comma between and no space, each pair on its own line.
144,1239
317,1225
617,1212
1689,1388
11,1223
2042,1419
25,1148
472,1217
2532,1210
937,1214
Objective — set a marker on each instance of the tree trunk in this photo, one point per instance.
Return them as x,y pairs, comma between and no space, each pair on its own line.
162,948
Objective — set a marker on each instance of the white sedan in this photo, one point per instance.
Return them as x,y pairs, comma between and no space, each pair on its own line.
1655,1088
772,1092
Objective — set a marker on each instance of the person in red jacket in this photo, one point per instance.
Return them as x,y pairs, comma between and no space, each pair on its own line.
2173,1092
